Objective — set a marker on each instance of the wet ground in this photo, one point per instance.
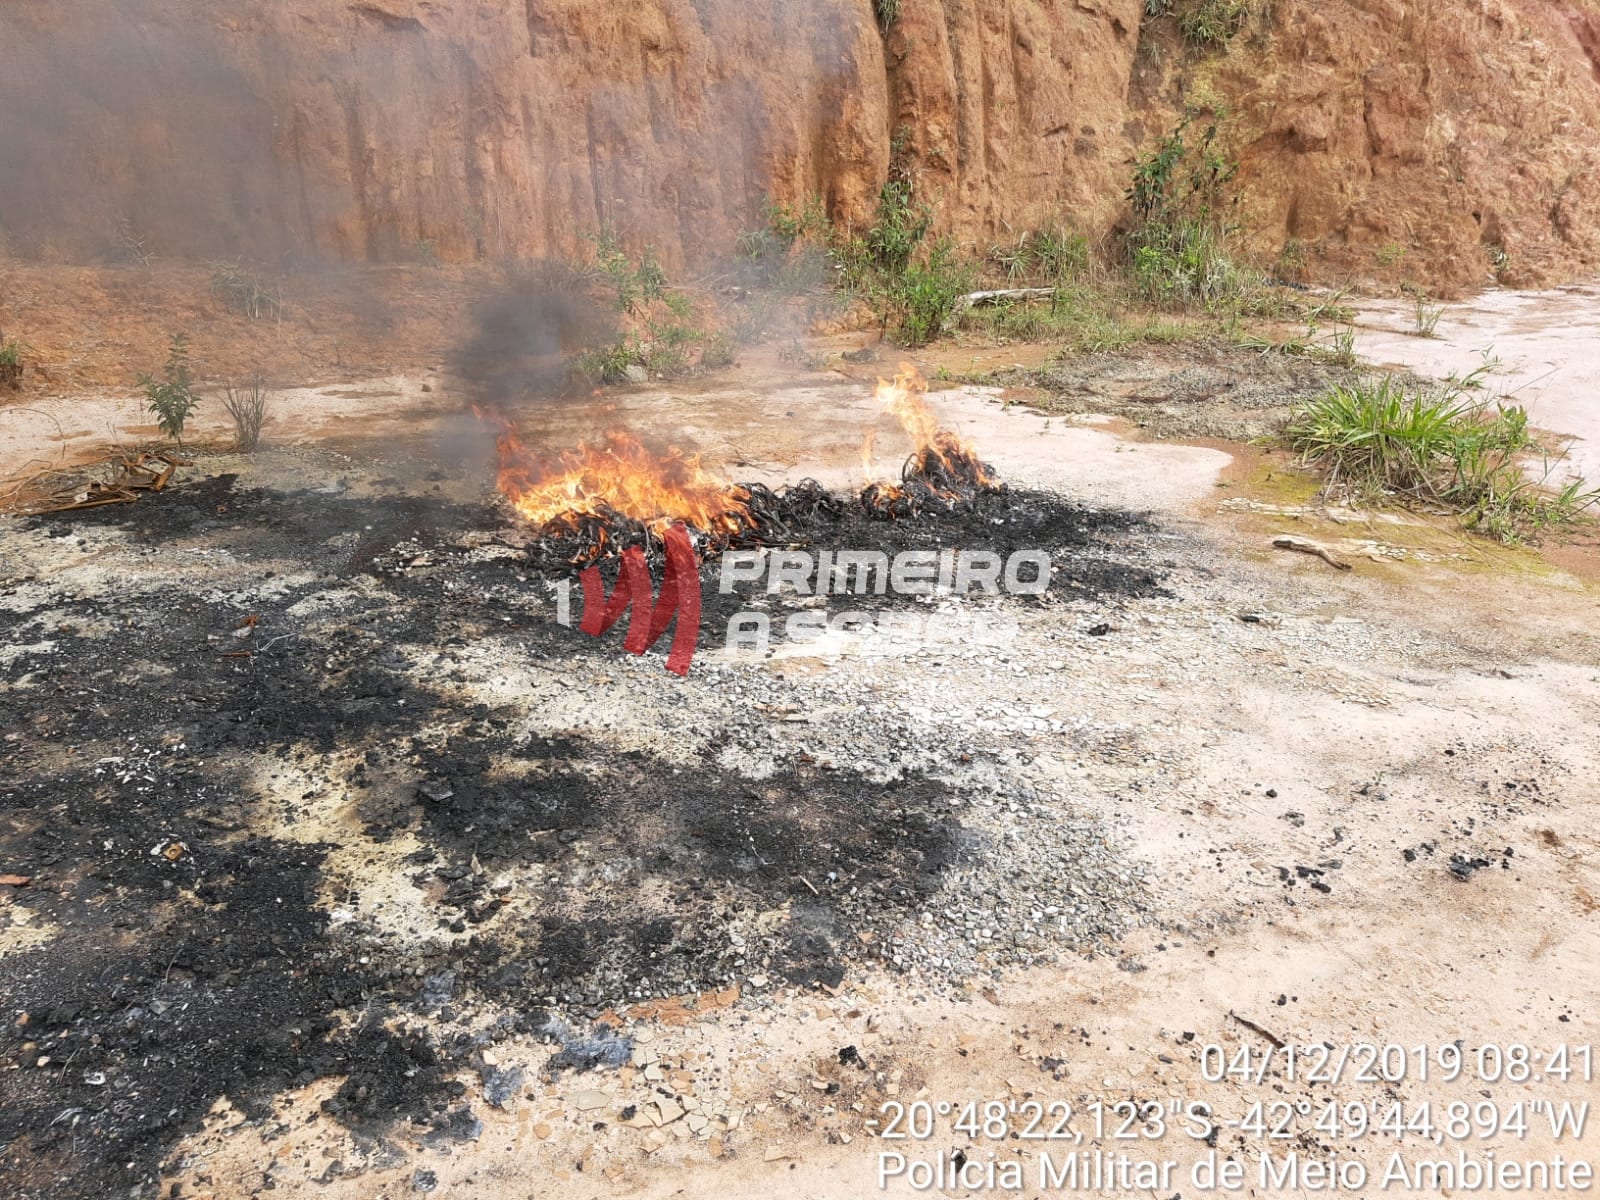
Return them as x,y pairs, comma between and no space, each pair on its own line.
1544,348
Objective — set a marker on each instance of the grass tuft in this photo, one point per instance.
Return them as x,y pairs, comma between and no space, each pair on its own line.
1212,22
12,356
1377,441
1426,317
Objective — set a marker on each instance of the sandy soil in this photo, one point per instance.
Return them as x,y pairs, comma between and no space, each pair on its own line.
1362,803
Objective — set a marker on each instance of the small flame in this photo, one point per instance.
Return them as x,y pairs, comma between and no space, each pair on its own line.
868,470
618,477
942,464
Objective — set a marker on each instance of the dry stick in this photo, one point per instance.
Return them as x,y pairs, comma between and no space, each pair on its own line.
973,299
1287,541
1276,1041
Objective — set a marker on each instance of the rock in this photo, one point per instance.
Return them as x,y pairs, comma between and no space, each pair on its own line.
590,1099
634,373
424,1181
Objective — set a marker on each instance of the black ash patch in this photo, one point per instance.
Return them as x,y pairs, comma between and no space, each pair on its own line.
192,957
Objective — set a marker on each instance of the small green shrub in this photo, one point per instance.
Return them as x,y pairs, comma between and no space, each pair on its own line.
668,350
887,11
1389,254
607,364
898,229
717,351
1181,242
1049,255
1013,260
791,253
12,355
670,338
912,288
1292,260
636,282
807,221
926,293
172,397
1059,254
1186,262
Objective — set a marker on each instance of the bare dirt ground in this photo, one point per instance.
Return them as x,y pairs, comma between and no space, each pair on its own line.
465,903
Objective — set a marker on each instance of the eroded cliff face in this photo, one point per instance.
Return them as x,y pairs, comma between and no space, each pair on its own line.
1429,140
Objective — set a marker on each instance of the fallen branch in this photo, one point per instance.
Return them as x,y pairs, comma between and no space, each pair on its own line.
1290,542
1276,1041
973,299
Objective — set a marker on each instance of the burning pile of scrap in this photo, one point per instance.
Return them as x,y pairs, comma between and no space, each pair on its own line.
943,473
129,477
598,500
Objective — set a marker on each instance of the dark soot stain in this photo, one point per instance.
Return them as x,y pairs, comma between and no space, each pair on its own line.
195,959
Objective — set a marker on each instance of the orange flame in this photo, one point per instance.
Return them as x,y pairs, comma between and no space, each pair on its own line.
616,477
868,471
938,454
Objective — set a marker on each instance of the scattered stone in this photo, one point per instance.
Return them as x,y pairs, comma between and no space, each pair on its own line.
1462,868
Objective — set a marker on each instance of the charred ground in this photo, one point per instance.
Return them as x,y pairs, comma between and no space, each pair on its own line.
195,758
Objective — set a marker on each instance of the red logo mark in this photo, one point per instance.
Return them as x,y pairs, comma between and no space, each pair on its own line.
680,597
